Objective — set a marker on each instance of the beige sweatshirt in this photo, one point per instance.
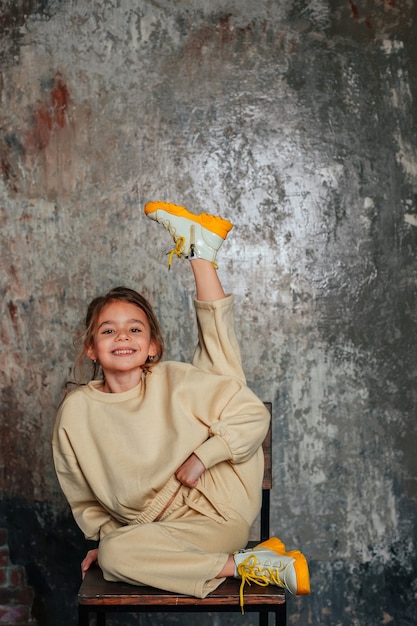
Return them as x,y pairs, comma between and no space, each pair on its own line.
116,454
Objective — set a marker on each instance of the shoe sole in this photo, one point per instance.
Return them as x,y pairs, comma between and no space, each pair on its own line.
302,573
215,224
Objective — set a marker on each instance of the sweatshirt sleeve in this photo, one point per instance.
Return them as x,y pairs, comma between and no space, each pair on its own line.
91,517
237,420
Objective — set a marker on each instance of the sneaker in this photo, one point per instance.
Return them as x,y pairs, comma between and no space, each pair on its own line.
269,564
273,543
195,236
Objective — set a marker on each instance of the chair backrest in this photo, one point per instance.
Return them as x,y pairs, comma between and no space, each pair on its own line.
267,481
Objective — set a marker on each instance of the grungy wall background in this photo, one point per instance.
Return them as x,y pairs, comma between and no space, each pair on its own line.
296,120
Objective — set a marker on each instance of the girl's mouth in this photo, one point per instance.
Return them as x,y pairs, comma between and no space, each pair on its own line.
123,352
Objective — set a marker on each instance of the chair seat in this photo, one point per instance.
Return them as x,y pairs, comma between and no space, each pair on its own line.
96,592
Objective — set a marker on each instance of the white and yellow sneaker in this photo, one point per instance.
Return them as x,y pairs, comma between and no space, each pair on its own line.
195,236
269,564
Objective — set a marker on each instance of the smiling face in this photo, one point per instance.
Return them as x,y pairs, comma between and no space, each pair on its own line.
122,339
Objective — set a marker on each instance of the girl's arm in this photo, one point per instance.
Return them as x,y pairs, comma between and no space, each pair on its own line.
90,515
90,558
190,471
236,419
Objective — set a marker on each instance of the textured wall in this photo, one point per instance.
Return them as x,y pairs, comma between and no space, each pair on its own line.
297,121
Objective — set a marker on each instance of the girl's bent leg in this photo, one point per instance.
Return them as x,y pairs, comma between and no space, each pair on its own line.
184,556
228,570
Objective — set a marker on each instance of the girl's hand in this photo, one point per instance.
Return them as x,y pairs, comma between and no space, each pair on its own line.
90,558
190,471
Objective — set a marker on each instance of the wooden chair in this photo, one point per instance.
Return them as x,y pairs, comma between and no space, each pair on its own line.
100,597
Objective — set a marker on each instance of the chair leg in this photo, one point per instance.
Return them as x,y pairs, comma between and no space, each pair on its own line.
82,616
101,618
263,618
281,616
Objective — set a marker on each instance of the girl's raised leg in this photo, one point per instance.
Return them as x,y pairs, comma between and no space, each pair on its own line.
207,281
198,238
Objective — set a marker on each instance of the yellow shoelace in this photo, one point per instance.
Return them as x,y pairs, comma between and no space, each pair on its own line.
251,572
179,244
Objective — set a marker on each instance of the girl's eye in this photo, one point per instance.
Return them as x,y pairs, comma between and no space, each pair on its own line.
108,331
135,330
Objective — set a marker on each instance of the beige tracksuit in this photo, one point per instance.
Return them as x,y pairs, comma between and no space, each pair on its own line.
116,457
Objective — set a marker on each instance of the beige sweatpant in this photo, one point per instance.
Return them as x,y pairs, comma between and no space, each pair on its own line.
183,552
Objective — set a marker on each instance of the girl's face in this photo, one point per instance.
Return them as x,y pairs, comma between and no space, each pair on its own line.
122,338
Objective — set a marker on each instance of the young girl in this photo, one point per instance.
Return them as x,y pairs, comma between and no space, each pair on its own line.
161,462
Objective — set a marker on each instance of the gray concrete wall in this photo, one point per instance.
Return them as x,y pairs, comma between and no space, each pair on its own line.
296,120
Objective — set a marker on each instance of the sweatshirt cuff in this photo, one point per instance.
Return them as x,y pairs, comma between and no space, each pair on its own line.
108,527
213,451
227,301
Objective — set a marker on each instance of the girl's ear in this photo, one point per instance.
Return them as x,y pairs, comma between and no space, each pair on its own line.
152,348
91,353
